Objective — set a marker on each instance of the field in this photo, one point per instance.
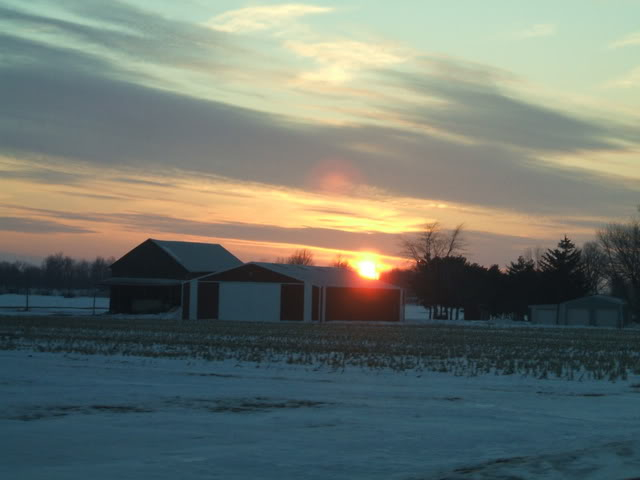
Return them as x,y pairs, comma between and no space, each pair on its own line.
105,397
462,350
14,304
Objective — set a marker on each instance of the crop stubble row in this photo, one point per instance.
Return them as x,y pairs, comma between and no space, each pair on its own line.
572,353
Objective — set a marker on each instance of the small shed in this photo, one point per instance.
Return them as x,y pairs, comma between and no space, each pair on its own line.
148,279
272,292
546,314
593,310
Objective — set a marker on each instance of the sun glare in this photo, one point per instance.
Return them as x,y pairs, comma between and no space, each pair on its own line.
368,269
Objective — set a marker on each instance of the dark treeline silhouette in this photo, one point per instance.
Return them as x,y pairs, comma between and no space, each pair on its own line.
56,273
445,282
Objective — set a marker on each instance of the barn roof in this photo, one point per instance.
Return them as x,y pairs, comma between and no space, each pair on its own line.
595,300
199,257
324,276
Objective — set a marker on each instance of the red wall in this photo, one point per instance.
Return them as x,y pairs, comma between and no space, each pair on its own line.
363,304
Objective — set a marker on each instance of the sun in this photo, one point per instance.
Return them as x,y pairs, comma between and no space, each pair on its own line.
368,269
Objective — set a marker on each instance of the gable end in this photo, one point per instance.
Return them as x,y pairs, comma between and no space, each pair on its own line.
148,260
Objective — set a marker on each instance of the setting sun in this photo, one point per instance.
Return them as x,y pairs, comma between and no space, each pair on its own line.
368,269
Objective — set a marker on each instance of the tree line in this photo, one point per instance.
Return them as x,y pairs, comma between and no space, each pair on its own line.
445,282
57,272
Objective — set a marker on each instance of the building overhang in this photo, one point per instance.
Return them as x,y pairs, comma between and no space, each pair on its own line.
141,282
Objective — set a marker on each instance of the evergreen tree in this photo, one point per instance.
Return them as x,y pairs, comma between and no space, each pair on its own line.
523,286
563,273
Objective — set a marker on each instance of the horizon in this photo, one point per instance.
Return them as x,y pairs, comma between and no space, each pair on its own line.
338,127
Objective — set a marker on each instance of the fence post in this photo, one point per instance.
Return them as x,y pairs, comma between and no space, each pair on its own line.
26,308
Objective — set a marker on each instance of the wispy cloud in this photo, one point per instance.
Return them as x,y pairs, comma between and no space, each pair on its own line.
114,120
477,107
341,58
538,30
348,53
631,39
631,79
253,19
31,225
99,105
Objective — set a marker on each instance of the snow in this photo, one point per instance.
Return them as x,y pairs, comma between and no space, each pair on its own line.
12,304
103,417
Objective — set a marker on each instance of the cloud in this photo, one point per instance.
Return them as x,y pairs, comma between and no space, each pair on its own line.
40,174
44,212
65,103
482,244
631,79
31,225
96,196
310,236
629,40
342,58
348,53
538,30
115,38
111,123
253,19
480,110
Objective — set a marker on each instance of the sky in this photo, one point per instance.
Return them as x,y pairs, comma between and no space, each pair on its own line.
342,127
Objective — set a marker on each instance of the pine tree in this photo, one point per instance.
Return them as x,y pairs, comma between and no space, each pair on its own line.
523,286
563,273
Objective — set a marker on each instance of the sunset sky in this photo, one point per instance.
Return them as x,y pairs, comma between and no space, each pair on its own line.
338,126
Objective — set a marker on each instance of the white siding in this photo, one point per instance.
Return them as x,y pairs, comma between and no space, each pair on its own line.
252,302
193,300
577,316
607,317
544,316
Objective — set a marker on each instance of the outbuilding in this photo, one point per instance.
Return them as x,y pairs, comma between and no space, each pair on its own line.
546,314
593,310
149,278
273,292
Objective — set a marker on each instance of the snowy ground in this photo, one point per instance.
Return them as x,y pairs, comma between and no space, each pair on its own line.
12,304
73,416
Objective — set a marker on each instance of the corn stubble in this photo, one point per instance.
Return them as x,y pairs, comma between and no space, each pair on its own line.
567,353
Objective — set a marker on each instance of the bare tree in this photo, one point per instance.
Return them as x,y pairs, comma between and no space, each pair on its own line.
436,254
433,242
302,256
341,261
594,262
621,245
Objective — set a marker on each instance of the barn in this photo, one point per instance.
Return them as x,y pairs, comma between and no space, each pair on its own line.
593,310
149,278
272,292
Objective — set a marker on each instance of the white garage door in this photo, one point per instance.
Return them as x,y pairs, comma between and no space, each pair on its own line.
607,317
578,316
545,317
251,302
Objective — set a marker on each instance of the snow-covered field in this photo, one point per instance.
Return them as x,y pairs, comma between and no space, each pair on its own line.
12,304
75,416
69,416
